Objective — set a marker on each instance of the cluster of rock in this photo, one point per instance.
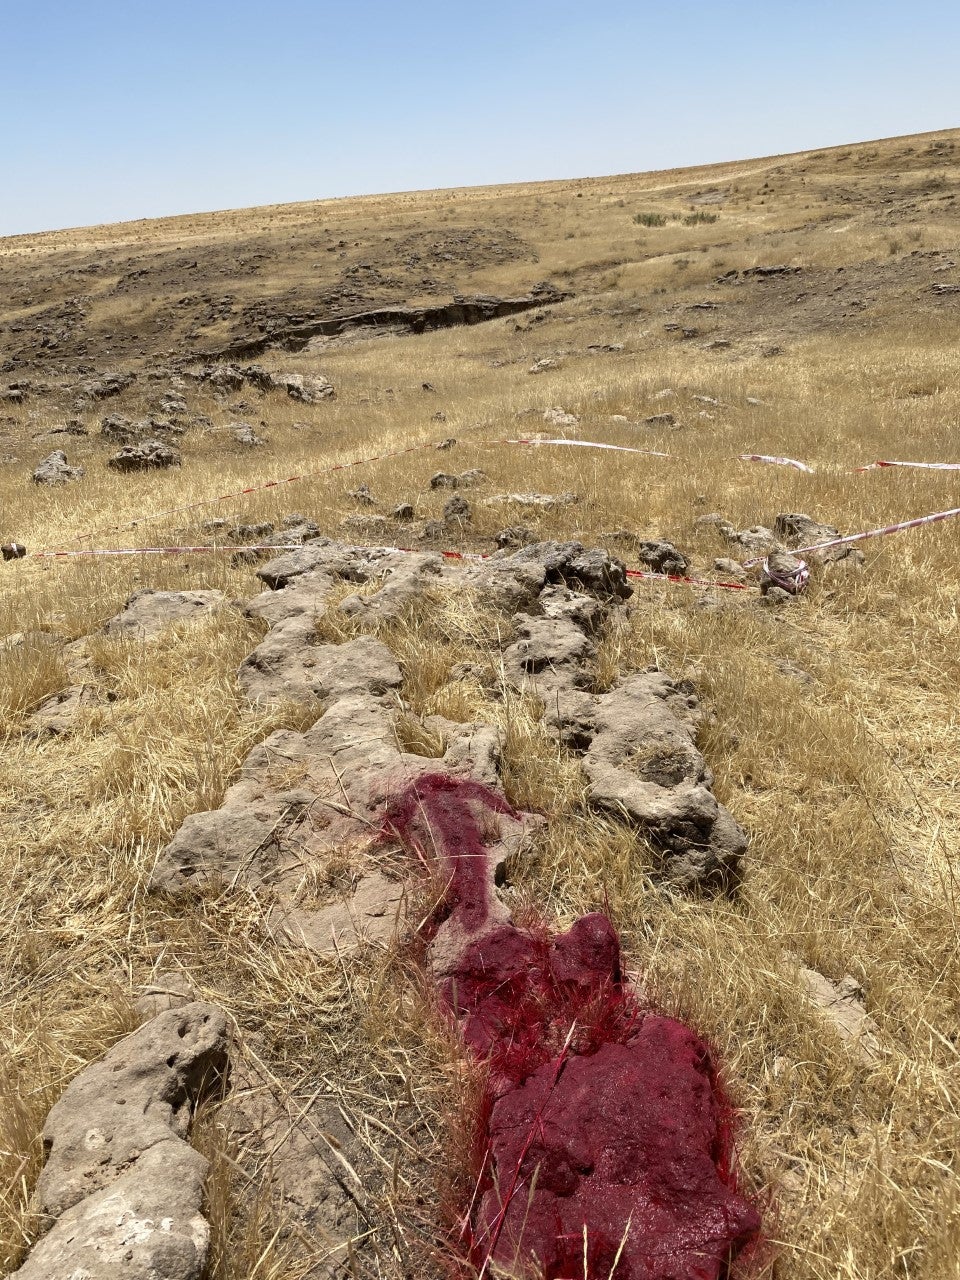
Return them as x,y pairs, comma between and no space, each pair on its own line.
227,378
636,741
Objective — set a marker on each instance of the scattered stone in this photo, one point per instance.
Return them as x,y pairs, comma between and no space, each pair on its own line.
166,991
244,434
58,714
560,418
515,535
55,469
458,508
711,400
444,480
251,532
475,476
103,388
544,365
403,511
363,495
72,427
433,531
13,551
798,530
731,568
661,420
121,1192
144,456
667,393
309,389
448,443
775,596
758,539
784,572
662,557
148,612
843,1004
173,404
544,500
439,416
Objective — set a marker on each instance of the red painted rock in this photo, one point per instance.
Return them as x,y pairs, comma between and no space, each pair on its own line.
604,1141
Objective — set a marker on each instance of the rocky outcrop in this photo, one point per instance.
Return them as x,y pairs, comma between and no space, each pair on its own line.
55,469
424,319
145,456
121,1192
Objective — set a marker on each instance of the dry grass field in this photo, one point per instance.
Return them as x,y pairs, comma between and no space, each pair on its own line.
834,719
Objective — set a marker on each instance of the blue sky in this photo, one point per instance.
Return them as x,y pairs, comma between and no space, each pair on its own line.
113,110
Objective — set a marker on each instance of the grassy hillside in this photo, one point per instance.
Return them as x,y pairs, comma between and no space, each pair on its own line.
833,734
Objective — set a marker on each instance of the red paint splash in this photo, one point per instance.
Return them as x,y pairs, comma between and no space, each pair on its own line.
605,1145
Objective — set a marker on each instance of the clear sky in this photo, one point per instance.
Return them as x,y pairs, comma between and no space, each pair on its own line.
116,109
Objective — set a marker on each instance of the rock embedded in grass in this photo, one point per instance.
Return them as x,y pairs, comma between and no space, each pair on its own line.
55,469
121,1193
145,456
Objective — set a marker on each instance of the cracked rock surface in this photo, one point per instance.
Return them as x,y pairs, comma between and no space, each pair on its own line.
121,1191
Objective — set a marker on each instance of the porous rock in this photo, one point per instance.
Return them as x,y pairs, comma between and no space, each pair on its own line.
662,557
798,530
145,456
148,612
121,1192
547,501
457,508
55,469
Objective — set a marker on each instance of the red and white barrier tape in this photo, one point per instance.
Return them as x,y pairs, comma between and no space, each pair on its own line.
680,579
926,466
587,444
869,533
779,462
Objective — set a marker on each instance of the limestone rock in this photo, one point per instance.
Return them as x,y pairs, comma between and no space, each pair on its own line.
547,501
148,1224
457,508
139,1096
149,612
55,469
146,455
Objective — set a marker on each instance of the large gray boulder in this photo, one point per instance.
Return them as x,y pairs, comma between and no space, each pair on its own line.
55,469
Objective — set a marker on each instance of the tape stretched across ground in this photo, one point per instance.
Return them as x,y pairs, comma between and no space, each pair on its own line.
532,441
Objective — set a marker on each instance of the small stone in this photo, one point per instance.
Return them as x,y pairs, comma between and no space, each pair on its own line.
444,480
662,557
403,511
544,365
13,550
363,495
450,440
457,508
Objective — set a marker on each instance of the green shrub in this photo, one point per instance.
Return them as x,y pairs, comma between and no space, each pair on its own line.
649,219
694,219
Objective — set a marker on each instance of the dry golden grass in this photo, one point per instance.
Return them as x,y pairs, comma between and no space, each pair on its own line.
834,722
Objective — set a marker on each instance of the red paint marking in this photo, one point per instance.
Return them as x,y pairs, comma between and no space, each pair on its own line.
599,1116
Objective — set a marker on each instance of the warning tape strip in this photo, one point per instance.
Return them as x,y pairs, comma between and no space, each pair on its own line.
531,441
869,533
927,466
780,462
